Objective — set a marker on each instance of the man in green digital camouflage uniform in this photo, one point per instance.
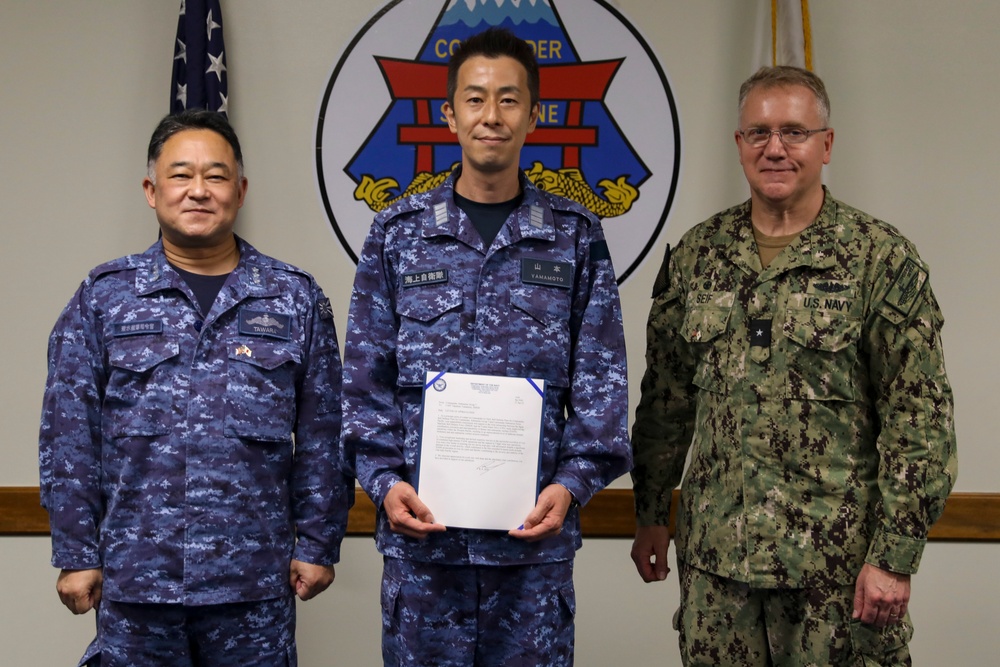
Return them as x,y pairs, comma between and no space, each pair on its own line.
794,346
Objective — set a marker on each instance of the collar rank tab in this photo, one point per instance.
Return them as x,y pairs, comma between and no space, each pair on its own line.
440,214
536,217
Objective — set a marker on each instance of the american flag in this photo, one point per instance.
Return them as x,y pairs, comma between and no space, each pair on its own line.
199,80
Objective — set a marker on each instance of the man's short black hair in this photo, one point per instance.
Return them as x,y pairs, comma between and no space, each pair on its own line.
191,119
494,43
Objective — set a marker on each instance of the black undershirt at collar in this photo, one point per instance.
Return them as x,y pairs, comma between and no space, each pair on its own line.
488,218
205,288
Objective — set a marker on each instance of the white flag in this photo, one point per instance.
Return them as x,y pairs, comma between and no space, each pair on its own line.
783,34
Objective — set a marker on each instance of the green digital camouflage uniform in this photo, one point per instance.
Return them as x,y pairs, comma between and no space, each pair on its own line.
812,394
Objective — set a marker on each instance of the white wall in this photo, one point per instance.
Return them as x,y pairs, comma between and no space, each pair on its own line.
915,91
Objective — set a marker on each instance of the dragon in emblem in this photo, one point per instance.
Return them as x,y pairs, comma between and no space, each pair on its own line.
618,194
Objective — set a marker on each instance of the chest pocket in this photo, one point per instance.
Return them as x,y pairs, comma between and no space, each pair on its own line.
706,321
140,384
822,354
260,390
429,331
538,344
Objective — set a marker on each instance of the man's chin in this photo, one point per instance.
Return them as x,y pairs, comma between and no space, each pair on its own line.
195,239
775,191
489,167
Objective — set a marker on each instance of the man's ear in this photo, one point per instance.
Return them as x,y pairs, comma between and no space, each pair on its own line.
149,189
534,116
449,114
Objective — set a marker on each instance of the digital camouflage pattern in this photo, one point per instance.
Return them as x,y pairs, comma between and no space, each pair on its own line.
540,302
166,448
490,616
260,633
812,396
724,622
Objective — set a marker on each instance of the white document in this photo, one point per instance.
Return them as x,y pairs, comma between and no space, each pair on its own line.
479,450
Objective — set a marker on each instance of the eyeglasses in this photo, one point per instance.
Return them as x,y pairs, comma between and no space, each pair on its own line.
758,136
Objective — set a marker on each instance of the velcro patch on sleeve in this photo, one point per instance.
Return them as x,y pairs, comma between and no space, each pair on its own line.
599,250
906,287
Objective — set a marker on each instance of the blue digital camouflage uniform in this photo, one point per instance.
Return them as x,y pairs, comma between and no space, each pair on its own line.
812,395
236,634
166,448
457,616
541,302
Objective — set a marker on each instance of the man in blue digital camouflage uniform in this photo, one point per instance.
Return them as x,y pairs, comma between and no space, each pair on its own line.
794,347
442,285
189,433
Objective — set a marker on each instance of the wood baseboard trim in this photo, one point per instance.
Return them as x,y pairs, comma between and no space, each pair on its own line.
968,517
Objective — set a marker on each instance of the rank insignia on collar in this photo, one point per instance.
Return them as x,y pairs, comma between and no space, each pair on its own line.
440,214
537,217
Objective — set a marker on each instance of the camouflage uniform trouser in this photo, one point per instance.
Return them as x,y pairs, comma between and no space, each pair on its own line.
723,623
261,634
483,616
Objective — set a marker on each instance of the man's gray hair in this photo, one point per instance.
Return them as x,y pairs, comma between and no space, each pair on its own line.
787,75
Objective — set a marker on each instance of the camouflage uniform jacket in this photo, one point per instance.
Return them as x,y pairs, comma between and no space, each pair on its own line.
429,295
813,396
166,445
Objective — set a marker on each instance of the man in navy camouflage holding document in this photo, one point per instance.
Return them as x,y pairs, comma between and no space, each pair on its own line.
487,275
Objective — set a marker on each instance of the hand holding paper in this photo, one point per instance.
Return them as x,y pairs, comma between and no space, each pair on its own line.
548,516
407,514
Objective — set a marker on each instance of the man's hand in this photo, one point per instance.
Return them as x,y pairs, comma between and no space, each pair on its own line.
308,580
80,590
407,514
546,519
881,597
649,552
